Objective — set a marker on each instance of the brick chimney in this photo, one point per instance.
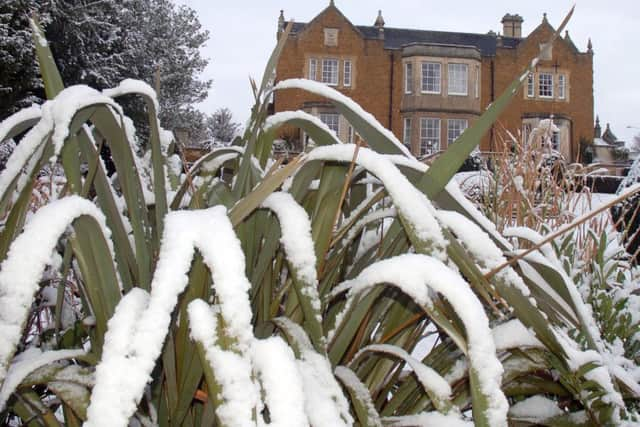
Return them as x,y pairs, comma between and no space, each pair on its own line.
512,25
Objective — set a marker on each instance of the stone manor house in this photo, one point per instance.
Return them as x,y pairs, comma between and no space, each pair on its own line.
428,86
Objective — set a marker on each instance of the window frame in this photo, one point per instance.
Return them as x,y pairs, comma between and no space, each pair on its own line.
408,77
425,137
465,125
531,85
347,64
325,72
313,65
406,133
547,86
453,76
437,79
324,119
562,86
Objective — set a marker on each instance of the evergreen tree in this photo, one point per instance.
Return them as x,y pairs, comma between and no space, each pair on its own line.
221,127
100,43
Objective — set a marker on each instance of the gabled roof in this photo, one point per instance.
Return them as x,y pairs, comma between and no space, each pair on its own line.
396,38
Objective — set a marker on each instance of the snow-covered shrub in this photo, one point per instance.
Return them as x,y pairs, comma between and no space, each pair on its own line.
351,286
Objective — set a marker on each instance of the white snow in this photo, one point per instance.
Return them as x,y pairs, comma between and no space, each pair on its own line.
297,242
332,94
325,403
25,363
513,334
65,106
232,370
277,371
428,419
131,86
535,409
412,204
32,113
433,383
27,259
211,232
281,118
481,247
351,380
415,275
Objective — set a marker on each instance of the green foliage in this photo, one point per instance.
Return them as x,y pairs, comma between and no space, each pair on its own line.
327,315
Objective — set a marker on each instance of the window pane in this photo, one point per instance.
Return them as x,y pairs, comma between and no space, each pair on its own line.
408,77
429,136
545,85
455,127
347,73
431,77
458,79
330,72
332,121
561,86
313,65
530,86
407,133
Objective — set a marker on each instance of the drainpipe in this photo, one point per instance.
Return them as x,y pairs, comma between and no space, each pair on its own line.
493,96
391,92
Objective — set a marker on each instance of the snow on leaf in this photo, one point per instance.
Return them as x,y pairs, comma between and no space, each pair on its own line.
412,205
353,383
325,403
232,369
132,86
28,361
416,275
277,370
436,387
27,259
513,334
211,232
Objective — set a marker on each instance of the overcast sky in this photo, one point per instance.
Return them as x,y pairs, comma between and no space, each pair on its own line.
242,35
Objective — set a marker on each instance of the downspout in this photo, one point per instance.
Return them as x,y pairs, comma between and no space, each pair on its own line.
493,95
391,92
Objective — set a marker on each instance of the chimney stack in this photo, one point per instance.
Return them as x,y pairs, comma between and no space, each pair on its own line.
281,24
512,25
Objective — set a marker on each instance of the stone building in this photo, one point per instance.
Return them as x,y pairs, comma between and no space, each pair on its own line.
428,86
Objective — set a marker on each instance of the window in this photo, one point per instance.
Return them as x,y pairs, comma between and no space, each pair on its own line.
526,132
530,86
346,78
477,82
350,135
458,81
406,136
313,67
455,127
330,72
429,136
545,85
408,77
562,86
555,140
332,121
430,77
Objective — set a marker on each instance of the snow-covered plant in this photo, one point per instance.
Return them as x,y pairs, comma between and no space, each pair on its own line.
351,286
